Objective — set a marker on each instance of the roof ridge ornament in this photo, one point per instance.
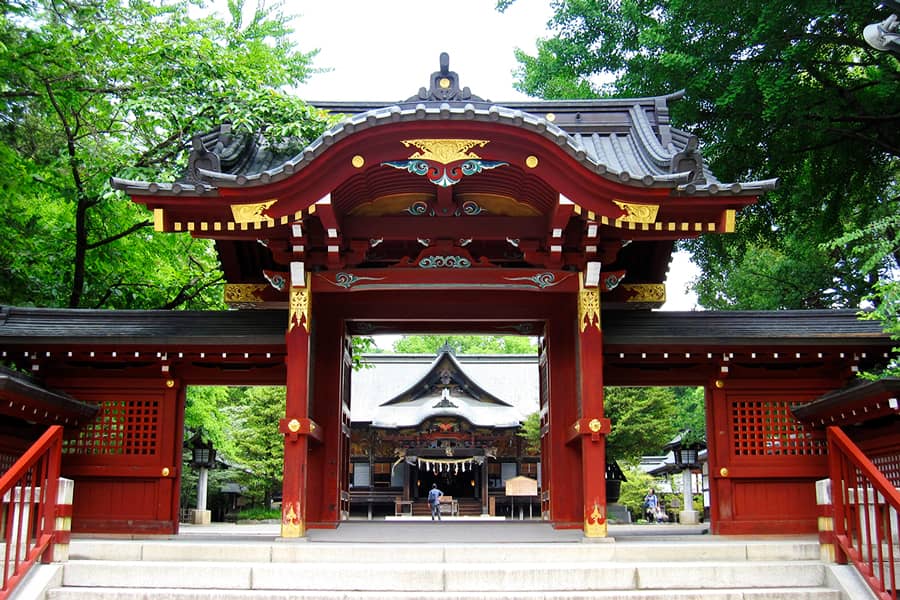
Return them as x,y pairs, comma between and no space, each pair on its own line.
444,86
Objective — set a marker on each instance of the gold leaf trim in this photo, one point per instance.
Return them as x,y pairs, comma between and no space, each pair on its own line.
291,523
236,293
595,523
645,292
251,213
444,151
588,306
637,213
299,306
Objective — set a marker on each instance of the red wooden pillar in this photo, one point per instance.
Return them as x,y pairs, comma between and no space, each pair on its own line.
297,427
590,430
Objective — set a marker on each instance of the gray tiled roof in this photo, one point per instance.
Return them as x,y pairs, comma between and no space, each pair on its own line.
627,141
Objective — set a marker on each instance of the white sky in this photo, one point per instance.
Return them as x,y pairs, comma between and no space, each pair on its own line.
385,50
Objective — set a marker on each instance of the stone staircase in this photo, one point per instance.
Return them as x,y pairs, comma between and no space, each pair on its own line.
711,569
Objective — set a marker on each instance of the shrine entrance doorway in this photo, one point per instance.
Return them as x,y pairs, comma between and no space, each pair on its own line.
549,316
445,419
457,485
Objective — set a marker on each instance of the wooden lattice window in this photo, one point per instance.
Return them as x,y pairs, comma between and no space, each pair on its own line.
122,427
889,465
767,428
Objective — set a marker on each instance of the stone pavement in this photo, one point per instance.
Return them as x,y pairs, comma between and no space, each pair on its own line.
469,530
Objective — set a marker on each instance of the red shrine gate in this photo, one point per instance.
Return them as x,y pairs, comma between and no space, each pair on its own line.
446,212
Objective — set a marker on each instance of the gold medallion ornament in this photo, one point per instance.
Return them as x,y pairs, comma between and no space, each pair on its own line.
358,161
531,161
595,425
294,425
588,306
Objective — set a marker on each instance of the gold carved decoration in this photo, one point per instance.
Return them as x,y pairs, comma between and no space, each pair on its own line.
588,306
165,472
637,213
358,161
499,205
595,425
299,306
595,524
444,151
291,523
293,425
531,161
251,213
244,293
391,204
645,292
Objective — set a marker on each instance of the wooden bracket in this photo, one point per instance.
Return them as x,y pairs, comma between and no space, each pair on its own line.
586,426
295,427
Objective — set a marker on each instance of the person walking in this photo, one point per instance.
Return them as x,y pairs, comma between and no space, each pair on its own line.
652,509
434,501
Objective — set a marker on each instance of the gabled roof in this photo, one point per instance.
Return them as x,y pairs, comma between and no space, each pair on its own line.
23,397
553,185
627,141
445,391
860,402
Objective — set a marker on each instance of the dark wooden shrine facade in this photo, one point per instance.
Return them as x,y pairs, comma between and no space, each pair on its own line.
446,212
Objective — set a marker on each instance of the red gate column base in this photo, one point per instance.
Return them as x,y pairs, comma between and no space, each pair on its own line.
297,433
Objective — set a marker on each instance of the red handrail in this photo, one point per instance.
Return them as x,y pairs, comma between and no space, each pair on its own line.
28,490
866,508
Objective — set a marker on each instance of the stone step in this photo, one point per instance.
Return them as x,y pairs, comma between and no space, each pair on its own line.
182,594
278,552
417,576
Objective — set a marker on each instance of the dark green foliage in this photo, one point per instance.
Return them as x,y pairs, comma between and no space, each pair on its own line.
103,88
773,89
643,420
466,344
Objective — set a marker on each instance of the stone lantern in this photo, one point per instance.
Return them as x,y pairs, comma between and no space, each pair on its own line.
686,447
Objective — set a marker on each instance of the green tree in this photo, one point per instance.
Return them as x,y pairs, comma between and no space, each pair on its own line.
690,410
97,88
875,242
634,488
258,445
530,431
772,89
466,344
643,420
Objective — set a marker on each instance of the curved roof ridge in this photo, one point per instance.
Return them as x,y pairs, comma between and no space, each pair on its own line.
572,144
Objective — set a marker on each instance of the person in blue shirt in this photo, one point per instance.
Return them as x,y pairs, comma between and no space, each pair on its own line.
434,501
652,507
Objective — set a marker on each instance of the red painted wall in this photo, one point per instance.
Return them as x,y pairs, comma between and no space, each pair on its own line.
762,465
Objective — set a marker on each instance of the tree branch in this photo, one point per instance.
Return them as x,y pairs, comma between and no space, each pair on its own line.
121,234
